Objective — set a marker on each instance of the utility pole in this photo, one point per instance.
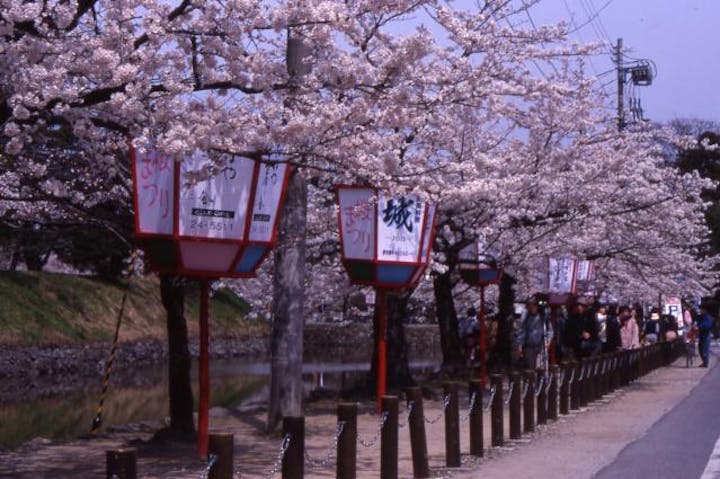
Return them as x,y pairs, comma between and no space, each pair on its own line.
620,84
641,73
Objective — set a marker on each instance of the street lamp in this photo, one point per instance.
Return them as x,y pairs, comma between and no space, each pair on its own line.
385,243
205,218
479,268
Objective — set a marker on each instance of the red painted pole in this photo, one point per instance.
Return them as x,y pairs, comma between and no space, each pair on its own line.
204,370
382,347
483,339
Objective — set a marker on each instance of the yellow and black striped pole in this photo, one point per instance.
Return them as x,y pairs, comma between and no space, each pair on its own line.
97,422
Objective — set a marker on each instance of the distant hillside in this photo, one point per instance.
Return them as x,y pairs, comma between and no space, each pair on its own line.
45,308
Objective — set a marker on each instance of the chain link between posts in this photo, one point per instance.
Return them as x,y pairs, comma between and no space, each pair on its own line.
539,389
331,450
275,467
510,392
446,403
381,424
466,416
407,415
212,459
525,388
491,397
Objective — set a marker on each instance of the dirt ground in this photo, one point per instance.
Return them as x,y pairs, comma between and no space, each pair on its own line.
595,434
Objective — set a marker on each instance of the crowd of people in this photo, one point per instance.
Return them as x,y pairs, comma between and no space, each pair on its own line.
586,330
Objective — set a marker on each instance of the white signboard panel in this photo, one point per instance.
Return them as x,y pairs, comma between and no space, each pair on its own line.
154,176
400,222
267,201
560,275
216,206
357,215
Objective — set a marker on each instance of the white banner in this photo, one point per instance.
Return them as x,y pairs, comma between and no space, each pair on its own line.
357,220
583,270
267,201
155,189
560,275
400,222
216,206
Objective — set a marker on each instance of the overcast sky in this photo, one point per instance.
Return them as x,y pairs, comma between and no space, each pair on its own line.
682,37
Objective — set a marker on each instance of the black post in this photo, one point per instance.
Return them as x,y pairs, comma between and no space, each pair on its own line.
583,383
496,413
574,385
541,395
452,426
515,404
476,418
529,402
389,439
418,442
221,445
566,374
552,392
293,463
347,442
121,463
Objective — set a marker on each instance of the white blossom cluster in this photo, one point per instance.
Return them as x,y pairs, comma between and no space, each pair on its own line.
432,97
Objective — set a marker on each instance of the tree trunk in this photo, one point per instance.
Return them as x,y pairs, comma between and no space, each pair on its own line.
398,365
452,349
286,346
172,293
506,319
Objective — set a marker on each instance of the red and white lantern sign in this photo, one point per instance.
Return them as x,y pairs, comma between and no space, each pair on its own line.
200,217
386,241
584,270
206,218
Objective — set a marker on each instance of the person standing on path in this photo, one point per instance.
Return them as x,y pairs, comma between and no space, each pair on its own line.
705,325
534,334
629,330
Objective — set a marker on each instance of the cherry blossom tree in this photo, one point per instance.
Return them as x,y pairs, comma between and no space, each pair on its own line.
431,97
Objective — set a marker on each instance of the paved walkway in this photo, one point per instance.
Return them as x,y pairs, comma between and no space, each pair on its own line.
678,445
583,444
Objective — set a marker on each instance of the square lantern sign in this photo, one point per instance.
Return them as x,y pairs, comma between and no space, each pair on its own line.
203,216
386,241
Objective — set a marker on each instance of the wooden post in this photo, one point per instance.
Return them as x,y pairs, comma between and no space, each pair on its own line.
552,393
452,426
496,413
583,383
575,385
418,441
516,385
476,419
293,463
529,402
121,463
541,395
221,445
389,439
347,442
204,369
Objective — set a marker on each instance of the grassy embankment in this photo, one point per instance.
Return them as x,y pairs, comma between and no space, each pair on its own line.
52,309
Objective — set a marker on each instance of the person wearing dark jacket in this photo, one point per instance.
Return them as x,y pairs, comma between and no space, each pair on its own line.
705,326
581,332
613,341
